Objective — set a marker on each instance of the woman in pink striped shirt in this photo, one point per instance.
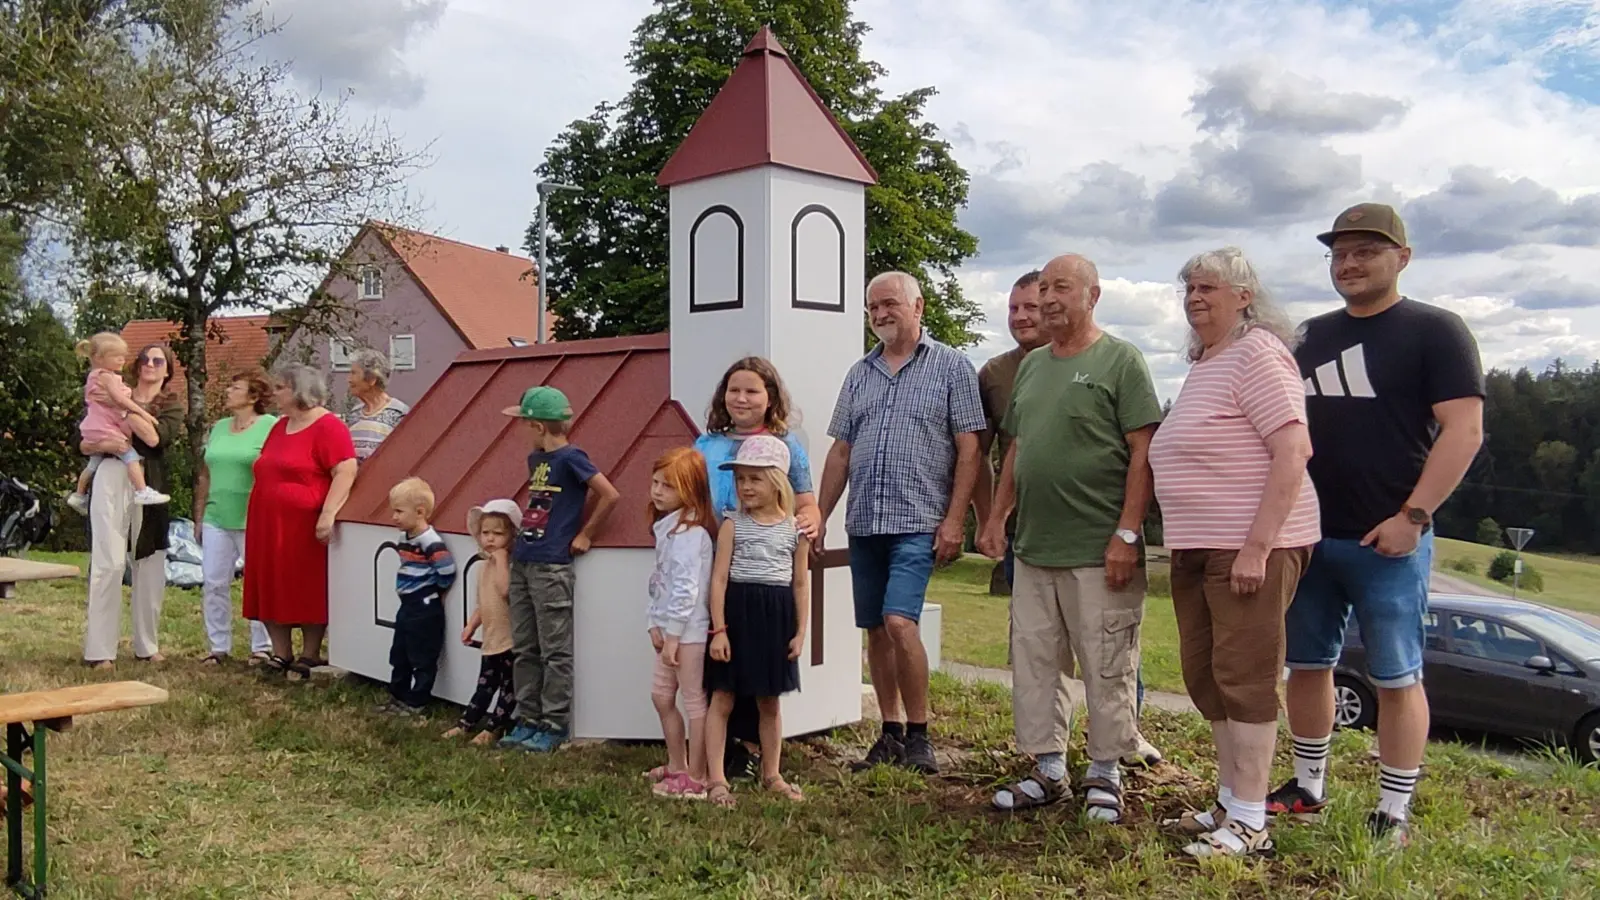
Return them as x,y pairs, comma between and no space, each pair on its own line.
1240,517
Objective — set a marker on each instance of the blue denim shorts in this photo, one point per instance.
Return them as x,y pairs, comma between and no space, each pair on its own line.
1389,596
889,574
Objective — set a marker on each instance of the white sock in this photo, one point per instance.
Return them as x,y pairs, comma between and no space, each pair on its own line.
1395,787
1253,815
1311,763
1108,770
1052,765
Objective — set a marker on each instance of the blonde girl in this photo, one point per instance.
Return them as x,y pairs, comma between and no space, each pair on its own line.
758,610
679,616
494,526
109,404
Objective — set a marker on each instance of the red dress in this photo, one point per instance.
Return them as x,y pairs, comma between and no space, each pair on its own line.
286,567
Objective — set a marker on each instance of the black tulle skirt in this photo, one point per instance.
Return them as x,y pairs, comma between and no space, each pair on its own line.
761,620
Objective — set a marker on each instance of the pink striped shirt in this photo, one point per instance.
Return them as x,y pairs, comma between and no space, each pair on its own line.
1210,453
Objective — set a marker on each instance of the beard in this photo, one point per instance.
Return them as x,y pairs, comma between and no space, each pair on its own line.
887,333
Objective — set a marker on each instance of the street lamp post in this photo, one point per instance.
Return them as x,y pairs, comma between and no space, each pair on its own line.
546,188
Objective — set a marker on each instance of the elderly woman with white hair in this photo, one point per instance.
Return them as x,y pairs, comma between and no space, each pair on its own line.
1240,519
375,414
302,479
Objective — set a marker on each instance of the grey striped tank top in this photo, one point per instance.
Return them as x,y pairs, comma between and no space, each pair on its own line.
762,554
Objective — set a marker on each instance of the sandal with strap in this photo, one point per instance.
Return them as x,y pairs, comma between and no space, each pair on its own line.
679,786
1191,823
719,794
1210,846
1091,803
1054,790
777,785
659,774
214,659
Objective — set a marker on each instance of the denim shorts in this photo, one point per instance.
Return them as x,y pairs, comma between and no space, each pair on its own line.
889,574
1389,596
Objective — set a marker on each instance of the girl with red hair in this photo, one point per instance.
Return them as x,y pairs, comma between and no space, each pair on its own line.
680,615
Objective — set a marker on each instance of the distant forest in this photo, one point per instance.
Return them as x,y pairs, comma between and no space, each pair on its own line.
1540,463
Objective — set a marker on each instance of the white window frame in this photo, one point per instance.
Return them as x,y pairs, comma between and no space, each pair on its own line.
362,272
339,351
394,355
518,342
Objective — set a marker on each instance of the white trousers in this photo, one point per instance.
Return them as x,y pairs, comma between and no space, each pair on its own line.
114,522
220,551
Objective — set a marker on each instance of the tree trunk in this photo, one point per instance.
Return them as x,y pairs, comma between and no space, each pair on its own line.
194,378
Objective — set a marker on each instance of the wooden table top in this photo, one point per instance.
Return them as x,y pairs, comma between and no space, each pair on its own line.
82,700
13,570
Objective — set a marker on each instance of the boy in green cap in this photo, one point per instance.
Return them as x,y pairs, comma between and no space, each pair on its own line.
553,531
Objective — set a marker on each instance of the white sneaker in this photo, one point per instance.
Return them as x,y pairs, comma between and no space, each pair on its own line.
79,503
1144,755
149,497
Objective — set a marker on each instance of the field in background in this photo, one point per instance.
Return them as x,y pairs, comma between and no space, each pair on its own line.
1570,582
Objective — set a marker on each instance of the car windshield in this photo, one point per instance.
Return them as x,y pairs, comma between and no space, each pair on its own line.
1570,634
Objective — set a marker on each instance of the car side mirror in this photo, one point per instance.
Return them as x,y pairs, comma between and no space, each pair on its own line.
1540,664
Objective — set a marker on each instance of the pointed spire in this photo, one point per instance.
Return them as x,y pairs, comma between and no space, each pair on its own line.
766,114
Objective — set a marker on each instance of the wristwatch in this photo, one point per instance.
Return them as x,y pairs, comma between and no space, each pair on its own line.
1418,516
1128,536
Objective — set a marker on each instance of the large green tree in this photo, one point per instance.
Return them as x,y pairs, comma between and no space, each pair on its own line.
608,247
40,384
219,187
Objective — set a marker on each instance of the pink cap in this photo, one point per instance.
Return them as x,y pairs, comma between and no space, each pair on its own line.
761,451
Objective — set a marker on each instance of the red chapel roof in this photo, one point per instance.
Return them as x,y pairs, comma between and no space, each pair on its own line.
457,439
766,113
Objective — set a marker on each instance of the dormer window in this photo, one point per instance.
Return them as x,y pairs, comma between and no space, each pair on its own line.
371,278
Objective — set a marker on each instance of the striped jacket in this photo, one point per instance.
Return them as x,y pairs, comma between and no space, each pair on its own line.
427,570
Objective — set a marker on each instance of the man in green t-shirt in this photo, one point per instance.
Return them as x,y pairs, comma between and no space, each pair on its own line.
1081,416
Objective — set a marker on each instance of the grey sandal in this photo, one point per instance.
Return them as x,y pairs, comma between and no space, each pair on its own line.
1054,790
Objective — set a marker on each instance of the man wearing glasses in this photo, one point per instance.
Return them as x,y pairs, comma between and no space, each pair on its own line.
1394,395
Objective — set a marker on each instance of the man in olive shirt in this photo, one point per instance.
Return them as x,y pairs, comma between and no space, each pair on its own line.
1081,417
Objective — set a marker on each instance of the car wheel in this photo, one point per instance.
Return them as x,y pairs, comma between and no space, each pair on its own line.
1353,705
1586,742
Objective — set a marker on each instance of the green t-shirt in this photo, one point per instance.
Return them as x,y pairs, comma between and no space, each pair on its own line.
231,459
1069,416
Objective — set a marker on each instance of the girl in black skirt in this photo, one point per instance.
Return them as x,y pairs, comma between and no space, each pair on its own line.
758,609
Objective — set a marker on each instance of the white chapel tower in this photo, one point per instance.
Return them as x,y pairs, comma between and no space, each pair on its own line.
767,196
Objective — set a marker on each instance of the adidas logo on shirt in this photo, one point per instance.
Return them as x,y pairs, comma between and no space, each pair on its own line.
1342,377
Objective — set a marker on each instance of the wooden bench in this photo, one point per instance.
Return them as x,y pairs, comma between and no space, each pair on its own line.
49,711
13,570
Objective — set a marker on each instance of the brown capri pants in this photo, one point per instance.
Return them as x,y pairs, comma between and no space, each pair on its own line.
1233,644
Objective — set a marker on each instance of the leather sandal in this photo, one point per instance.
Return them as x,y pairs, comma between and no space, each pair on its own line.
1054,790
1091,803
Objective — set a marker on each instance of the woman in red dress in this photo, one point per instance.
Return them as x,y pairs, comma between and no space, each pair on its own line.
303,478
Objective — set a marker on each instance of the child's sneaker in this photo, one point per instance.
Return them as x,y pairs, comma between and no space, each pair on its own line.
519,737
547,740
149,496
79,503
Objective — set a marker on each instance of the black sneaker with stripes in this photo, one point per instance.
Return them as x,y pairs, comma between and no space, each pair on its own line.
1294,800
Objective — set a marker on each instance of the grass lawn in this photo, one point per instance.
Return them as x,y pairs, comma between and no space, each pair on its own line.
1570,582
975,623
248,787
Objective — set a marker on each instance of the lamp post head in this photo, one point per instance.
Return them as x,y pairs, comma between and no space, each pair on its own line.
549,187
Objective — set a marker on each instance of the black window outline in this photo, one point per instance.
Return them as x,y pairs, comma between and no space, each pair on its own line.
694,231
466,603
377,618
794,259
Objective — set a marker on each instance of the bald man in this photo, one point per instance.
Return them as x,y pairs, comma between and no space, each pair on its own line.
1077,472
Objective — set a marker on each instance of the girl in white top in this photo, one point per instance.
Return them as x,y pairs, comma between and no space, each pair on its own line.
679,616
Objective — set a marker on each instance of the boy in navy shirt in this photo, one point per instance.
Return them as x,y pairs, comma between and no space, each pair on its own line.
553,531
427,570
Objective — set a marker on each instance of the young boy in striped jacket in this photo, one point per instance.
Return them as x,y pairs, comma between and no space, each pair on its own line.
427,570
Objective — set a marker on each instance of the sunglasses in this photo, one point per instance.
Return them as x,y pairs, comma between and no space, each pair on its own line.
154,362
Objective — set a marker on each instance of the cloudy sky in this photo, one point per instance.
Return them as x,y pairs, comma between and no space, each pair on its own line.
1135,131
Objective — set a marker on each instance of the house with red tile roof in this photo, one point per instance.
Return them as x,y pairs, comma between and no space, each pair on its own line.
422,300
233,343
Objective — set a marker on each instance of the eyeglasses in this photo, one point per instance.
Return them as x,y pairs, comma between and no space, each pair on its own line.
1204,290
154,362
1359,254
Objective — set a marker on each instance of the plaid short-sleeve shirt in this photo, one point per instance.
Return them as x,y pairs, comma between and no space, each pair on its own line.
901,429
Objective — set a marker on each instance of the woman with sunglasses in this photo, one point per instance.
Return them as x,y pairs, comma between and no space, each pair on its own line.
114,520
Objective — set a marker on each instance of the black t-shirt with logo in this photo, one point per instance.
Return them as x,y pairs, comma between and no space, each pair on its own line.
1371,384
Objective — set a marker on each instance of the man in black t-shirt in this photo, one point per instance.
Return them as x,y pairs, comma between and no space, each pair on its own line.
1394,398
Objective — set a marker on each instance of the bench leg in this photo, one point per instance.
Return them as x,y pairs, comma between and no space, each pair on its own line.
16,746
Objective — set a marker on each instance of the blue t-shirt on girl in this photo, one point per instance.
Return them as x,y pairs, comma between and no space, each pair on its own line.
721,448
558,485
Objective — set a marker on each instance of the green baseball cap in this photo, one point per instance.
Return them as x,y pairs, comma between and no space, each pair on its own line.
541,402
1367,218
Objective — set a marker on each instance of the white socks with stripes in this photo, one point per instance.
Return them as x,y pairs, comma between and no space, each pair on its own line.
1311,763
1395,787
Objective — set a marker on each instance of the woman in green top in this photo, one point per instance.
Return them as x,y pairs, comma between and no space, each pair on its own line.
221,495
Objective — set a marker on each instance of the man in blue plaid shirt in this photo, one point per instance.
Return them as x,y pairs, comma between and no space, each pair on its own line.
905,438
